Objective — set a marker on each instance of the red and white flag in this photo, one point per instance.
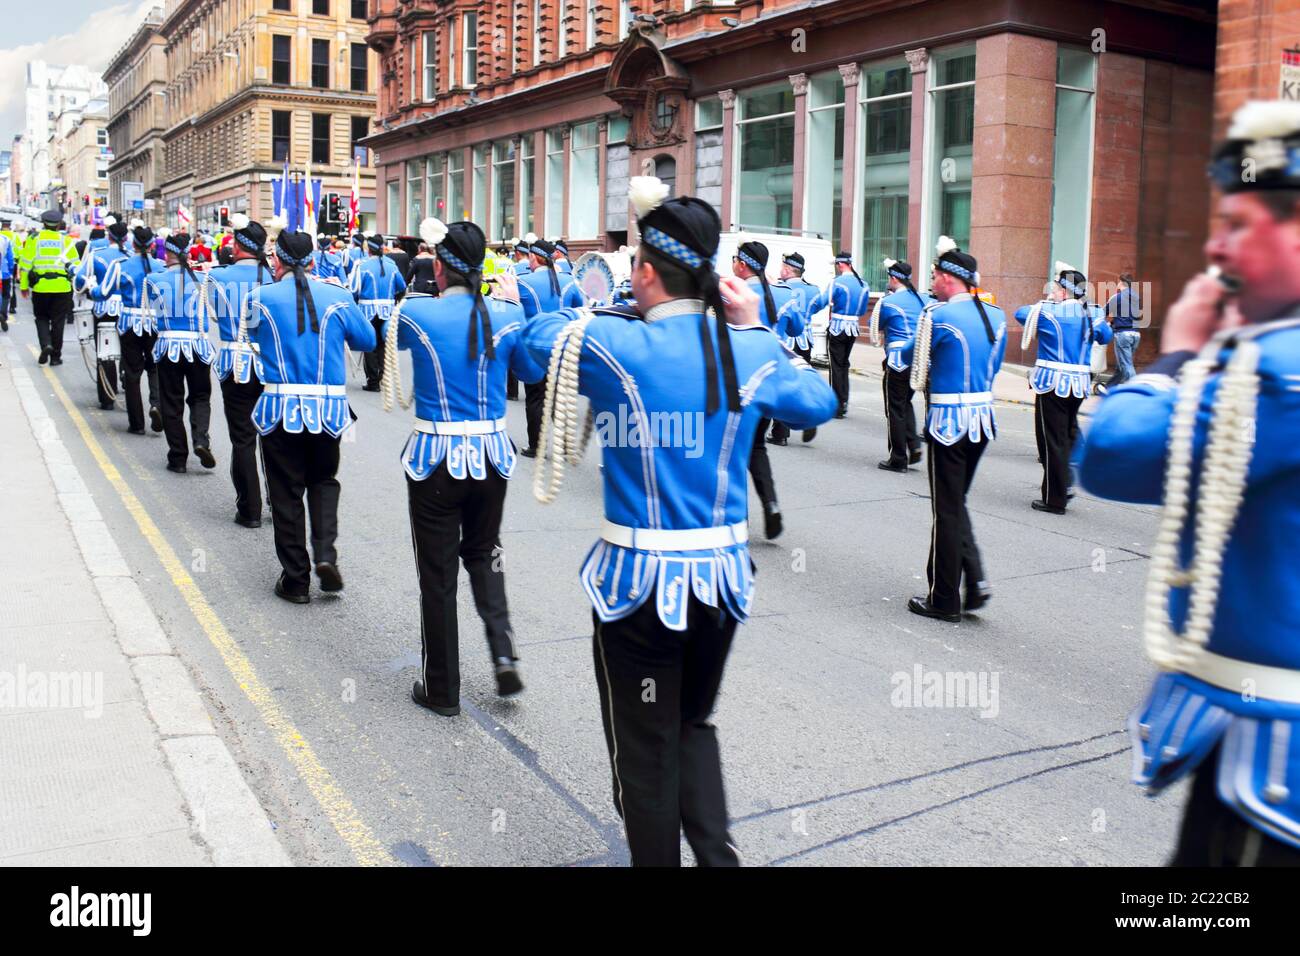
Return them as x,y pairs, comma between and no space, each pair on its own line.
354,201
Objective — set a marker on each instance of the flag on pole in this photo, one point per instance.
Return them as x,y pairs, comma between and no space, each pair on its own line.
282,196
354,201
308,203
183,217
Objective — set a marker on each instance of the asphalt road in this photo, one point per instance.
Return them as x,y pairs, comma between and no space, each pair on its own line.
830,758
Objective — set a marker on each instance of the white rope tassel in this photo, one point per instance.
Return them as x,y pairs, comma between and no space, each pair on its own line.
874,328
1031,325
390,385
921,357
559,442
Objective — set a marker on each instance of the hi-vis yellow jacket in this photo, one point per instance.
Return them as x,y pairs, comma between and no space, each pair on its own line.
46,260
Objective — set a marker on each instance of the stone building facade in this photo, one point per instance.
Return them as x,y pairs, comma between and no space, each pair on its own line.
137,107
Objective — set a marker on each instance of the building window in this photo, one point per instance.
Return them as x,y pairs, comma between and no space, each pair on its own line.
479,197
537,32
410,59
589,21
414,196
320,64
469,53
451,53
624,18
456,205
554,222
766,138
281,121
952,133
824,156
281,5
430,65
359,10
320,138
281,62
360,130
562,30
360,69
528,184
616,129
886,92
502,224
584,175
1076,84
320,8
665,113
394,205
437,198
708,114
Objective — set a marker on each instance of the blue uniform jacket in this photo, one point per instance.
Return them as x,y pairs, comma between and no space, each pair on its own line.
1066,331
666,464
522,268
125,281
803,293
1256,622
848,297
7,259
328,265
91,274
228,290
376,282
536,296
178,303
963,365
305,372
899,312
451,388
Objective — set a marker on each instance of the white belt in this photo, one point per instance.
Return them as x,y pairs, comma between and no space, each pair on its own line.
1269,683
687,539
374,301
179,334
285,388
460,428
961,398
240,346
894,346
845,318
128,310
1063,366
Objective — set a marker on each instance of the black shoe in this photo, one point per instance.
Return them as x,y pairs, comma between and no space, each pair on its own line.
841,413
56,360
45,355
106,406
777,441
772,526
977,596
205,456
914,458
418,695
248,522
528,452
508,680
179,469
282,592
4,323
1039,505
330,579
890,466
135,431
808,435
369,388
155,419
921,606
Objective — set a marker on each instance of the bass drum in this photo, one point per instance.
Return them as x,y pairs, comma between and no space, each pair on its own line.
108,347
85,321
599,274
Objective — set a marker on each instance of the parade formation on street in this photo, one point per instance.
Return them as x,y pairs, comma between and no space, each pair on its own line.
1028,594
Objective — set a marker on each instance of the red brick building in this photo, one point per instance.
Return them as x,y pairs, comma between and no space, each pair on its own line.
1028,130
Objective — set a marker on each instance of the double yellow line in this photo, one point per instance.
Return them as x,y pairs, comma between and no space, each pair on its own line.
343,816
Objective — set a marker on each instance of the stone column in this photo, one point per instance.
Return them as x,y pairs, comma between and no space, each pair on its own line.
520,204
728,98
602,132
849,186
799,81
919,61
539,181
564,187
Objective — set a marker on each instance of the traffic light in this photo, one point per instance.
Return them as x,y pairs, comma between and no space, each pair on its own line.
224,213
333,208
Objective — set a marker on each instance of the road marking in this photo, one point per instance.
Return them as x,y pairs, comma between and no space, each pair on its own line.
343,816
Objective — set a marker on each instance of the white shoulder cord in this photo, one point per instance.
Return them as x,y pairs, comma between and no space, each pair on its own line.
559,441
875,323
391,384
921,357
1031,325
1222,486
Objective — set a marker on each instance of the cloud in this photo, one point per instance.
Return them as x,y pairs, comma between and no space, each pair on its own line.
100,35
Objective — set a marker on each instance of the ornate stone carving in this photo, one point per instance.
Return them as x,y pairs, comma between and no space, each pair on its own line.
849,73
800,83
918,60
728,98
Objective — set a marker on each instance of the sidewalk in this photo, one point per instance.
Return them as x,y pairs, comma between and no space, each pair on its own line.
1011,384
107,753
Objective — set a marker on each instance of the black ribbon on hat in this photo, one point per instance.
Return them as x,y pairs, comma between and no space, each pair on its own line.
463,249
295,250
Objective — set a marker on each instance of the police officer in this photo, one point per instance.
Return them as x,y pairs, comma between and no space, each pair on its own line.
44,272
137,326
893,323
541,290
94,277
670,578
377,284
1211,431
302,328
459,457
847,296
959,345
239,366
1067,326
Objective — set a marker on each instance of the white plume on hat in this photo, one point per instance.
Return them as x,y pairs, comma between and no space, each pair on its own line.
888,263
1265,119
164,232
239,221
280,222
433,230
1064,267
530,238
514,241
136,224
110,221
945,244
647,193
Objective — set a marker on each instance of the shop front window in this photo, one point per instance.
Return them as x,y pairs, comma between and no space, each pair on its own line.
456,205
437,198
503,191
414,196
1072,162
554,221
584,178
479,198
952,118
824,178
886,91
527,182
766,140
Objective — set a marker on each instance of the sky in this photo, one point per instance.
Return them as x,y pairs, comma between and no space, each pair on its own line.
81,31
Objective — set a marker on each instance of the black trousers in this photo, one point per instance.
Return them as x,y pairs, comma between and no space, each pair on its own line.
1213,835
137,359
657,689
105,372
900,416
838,347
952,539
780,430
295,464
534,406
512,386
181,383
760,469
457,518
238,400
51,311
1056,425
6,298
373,362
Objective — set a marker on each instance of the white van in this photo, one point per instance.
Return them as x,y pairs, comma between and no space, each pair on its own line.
818,256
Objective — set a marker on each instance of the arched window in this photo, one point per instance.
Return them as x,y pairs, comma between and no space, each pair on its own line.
666,171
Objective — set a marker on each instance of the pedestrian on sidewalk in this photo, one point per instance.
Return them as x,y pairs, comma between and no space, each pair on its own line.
1124,313
303,329
848,296
1067,325
183,354
137,327
893,323
959,346
44,273
459,457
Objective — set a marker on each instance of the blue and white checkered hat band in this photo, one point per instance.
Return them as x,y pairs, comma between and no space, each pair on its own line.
749,261
455,261
1069,286
173,248
900,276
376,242
247,243
956,270
671,247
847,260
539,251
792,262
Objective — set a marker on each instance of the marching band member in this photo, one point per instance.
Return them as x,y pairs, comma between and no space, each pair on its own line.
302,329
523,265
847,296
239,367
802,293
327,264
1067,326
541,290
377,283
136,326
182,353
671,577
958,351
895,317
1211,431
561,257
460,456
90,279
